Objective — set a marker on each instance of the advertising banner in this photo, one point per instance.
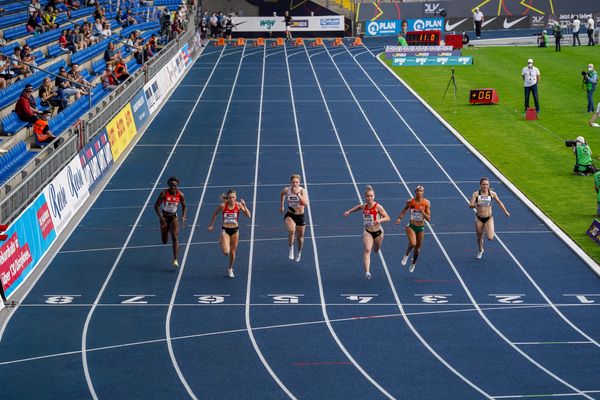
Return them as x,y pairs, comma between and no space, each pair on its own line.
426,24
121,129
594,231
140,110
277,24
66,194
417,49
382,28
431,61
392,55
29,237
96,158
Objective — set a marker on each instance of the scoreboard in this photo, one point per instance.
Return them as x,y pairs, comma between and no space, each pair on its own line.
423,38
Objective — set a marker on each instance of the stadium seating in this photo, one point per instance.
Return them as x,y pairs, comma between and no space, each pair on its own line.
13,19
12,161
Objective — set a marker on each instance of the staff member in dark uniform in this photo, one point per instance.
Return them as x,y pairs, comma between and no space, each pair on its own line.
166,208
288,24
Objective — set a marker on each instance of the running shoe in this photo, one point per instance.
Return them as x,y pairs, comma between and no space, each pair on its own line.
230,273
298,256
404,260
291,254
595,125
368,275
479,254
175,264
412,267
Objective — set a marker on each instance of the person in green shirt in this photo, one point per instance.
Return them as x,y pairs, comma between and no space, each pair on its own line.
597,189
543,39
402,41
591,79
583,158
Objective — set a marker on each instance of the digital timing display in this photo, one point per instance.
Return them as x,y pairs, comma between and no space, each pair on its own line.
483,96
423,38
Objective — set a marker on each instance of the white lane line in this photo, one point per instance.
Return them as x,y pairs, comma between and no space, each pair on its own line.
386,269
187,247
442,248
88,319
314,243
266,327
548,343
252,230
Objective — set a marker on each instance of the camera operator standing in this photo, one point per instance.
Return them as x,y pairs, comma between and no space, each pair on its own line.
556,32
583,156
590,31
590,79
531,77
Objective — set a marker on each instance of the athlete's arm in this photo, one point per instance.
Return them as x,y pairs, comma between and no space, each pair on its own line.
501,205
157,204
427,211
282,198
355,208
303,196
406,207
473,202
218,210
242,206
383,214
183,208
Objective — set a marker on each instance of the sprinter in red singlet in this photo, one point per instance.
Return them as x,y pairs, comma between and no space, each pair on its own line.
166,208
230,210
420,211
373,216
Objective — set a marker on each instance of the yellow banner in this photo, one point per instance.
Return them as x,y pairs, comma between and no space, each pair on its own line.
120,131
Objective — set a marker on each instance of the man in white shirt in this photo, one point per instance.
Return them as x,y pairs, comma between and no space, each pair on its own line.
478,19
590,31
531,77
576,25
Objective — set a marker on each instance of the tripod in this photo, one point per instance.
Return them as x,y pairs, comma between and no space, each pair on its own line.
453,82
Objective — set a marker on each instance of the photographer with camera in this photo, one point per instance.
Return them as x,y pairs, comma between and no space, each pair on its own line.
583,156
590,79
542,39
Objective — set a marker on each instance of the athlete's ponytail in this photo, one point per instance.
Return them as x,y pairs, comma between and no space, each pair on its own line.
368,189
224,196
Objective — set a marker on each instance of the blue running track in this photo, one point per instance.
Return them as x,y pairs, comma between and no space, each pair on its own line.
111,319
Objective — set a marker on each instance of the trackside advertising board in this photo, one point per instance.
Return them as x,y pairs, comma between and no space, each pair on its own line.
394,26
29,237
431,61
298,24
96,158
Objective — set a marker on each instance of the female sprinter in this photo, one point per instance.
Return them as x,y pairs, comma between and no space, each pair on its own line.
297,199
230,208
166,208
481,201
420,211
373,234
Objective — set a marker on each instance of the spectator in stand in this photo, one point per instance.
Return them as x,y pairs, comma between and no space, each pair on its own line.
213,21
88,37
17,66
49,18
106,31
99,12
64,43
50,97
119,18
176,28
109,80
111,56
128,18
181,13
153,44
35,23
27,56
75,76
220,20
134,42
41,130
120,71
24,109
34,5
65,90
6,75
203,32
78,38
165,21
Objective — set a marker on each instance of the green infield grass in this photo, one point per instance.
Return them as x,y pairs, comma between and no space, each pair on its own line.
531,154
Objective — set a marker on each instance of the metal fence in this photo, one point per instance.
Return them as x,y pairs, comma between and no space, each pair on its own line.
21,192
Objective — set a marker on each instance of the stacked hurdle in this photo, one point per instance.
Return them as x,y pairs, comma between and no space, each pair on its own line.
317,42
298,42
220,42
337,42
278,42
239,42
357,42
259,42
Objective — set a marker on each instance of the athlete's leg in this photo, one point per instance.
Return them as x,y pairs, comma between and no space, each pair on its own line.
164,232
368,245
224,242
489,229
291,228
377,243
300,236
419,241
174,227
233,241
479,230
412,240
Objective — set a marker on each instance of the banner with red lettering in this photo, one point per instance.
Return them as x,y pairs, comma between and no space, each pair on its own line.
29,237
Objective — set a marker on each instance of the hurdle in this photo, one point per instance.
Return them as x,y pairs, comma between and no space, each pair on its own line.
259,42
240,42
298,42
220,42
337,42
278,42
357,42
318,42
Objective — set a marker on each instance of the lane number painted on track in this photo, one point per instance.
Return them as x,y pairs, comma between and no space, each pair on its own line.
135,298
434,298
211,298
286,298
509,298
360,298
584,298
60,298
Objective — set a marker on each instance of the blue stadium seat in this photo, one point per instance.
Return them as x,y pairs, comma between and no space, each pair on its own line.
11,124
55,51
15,33
13,19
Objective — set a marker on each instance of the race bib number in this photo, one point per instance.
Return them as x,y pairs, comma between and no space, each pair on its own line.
170,207
294,201
368,220
416,215
485,201
230,218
